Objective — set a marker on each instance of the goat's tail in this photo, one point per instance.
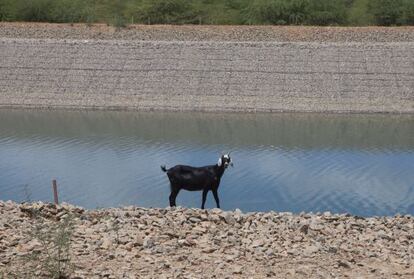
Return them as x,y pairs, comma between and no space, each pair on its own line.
163,168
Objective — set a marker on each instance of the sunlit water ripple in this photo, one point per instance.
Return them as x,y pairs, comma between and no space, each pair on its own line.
360,164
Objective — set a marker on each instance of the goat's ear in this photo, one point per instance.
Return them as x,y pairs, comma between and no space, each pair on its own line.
219,162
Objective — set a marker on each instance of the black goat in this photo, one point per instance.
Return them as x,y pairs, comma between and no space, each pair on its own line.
197,179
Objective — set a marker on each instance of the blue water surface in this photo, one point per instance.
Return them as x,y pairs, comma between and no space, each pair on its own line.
358,164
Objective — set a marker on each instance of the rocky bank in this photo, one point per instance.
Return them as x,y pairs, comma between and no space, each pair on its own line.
207,68
133,242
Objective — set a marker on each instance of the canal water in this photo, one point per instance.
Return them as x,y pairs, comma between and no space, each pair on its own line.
358,164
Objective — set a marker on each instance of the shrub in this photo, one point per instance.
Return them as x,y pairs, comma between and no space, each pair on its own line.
51,256
165,12
111,11
358,14
71,11
35,10
297,11
386,12
218,11
5,13
119,12
265,12
408,9
48,10
327,12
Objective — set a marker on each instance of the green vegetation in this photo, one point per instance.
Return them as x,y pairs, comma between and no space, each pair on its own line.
55,238
359,15
280,12
50,242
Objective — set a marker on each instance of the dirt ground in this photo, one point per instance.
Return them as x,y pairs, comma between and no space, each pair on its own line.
207,32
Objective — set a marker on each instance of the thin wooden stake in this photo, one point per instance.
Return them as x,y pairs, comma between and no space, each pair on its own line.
55,192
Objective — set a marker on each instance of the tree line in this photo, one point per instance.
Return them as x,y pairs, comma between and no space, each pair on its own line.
235,12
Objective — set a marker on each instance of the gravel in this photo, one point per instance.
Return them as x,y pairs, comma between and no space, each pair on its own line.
208,33
132,242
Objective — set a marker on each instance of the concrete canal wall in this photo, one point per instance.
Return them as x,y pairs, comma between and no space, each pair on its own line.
215,75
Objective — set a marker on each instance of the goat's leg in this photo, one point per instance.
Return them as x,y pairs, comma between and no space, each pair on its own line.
173,195
216,197
205,191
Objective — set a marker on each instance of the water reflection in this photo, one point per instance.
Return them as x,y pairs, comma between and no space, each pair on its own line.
362,164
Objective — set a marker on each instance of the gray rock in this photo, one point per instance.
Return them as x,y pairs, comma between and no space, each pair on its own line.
148,242
228,217
139,240
258,243
304,228
345,264
237,269
194,220
309,250
106,243
209,250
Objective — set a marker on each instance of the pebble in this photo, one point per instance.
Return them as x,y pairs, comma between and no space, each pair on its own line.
207,33
193,243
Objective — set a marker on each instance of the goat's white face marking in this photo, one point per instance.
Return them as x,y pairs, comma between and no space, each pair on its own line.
224,159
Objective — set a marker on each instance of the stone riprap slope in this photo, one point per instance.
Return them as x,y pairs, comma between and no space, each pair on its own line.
136,242
207,75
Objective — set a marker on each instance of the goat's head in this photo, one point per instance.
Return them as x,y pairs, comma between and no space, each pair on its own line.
225,161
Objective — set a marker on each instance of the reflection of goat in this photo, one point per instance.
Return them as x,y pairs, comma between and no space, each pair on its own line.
196,179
